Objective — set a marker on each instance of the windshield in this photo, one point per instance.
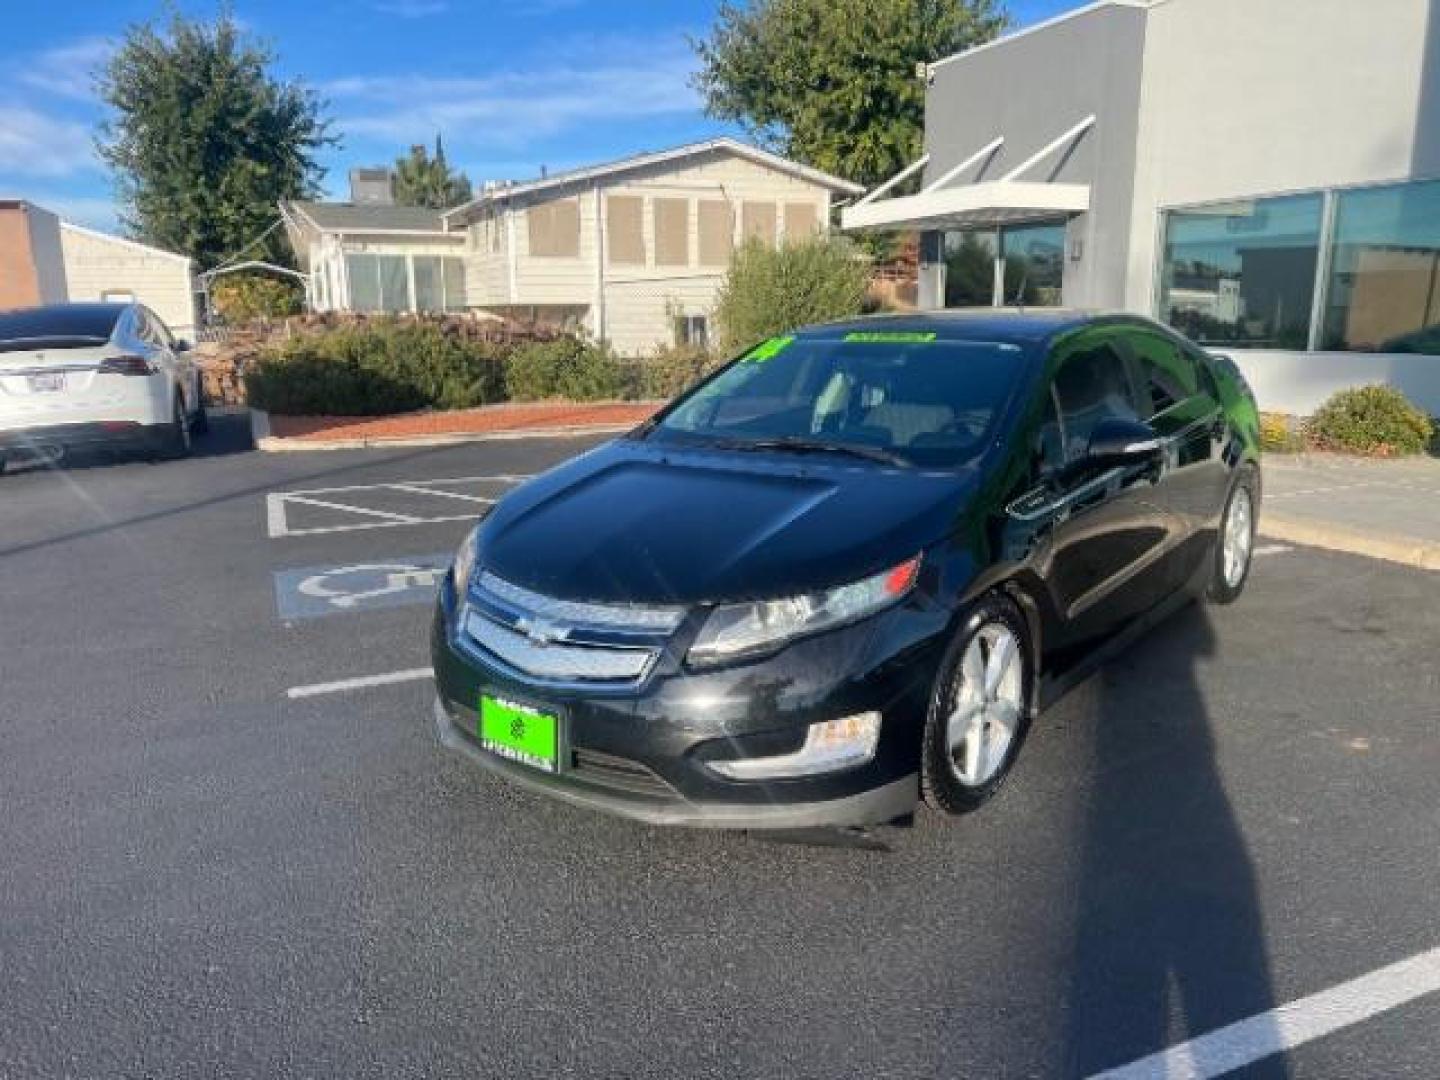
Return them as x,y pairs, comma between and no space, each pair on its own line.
922,401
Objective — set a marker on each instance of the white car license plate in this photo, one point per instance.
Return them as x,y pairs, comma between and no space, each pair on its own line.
47,383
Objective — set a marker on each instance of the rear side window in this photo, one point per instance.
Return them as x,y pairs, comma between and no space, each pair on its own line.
1168,375
58,325
1091,385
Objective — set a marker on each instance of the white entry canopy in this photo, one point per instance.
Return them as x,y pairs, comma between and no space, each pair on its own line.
995,202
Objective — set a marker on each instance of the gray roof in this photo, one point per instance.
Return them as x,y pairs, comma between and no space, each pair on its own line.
349,217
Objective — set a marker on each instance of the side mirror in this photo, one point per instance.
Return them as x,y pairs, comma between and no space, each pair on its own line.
1117,441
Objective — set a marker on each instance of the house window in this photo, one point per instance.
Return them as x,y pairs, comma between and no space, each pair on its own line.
801,221
378,282
625,228
717,232
1242,273
555,229
1384,288
692,330
672,232
757,220
453,278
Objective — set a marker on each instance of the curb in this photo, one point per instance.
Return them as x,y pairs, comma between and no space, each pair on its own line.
1421,554
272,444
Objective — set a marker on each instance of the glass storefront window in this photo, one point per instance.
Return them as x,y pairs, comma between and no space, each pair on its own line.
969,269
1384,288
1031,258
1243,273
1034,264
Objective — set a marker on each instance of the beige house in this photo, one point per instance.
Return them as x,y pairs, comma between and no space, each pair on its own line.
44,260
631,252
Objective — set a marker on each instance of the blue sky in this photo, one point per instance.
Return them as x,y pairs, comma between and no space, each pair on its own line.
511,84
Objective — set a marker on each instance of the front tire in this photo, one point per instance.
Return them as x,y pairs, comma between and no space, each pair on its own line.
979,709
1235,545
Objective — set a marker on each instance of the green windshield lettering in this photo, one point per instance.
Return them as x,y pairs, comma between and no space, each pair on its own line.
890,337
768,350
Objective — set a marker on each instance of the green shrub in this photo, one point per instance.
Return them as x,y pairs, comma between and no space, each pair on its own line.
564,368
382,367
1375,420
673,369
771,290
242,298
1280,435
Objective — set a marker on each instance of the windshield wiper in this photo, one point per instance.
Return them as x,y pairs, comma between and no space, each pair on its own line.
794,444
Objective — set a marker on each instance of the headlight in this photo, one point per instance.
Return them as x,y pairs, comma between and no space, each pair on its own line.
464,567
737,629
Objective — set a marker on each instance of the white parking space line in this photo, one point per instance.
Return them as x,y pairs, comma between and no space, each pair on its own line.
1288,1026
347,516
345,508
1272,549
365,682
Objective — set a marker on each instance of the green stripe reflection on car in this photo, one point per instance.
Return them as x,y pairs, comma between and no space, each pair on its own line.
890,337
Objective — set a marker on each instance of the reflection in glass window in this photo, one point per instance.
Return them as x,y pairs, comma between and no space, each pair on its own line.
454,270
969,269
1243,273
1384,291
429,290
1034,264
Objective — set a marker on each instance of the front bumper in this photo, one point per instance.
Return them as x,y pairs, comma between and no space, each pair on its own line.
875,806
641,753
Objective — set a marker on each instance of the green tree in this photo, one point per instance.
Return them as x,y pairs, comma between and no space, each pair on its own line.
832,83
204,141
422,180
771,290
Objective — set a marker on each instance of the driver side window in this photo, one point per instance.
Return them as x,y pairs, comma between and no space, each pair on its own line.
1091,385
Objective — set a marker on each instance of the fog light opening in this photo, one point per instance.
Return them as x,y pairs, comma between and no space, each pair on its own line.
830,746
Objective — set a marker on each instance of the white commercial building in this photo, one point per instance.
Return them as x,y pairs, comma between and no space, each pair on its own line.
1263,175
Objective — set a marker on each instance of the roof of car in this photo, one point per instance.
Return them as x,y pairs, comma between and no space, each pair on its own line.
976,324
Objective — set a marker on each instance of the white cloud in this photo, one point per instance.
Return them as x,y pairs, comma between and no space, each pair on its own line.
68,70
411,9
516,107
35,144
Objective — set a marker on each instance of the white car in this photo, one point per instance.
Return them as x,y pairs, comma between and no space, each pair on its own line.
95,375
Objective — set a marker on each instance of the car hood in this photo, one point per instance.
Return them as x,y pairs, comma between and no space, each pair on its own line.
632,523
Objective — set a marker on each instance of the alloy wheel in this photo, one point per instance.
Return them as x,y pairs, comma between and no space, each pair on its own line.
986,712
1239,538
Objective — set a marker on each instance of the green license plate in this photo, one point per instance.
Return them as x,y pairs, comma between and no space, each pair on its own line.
520,733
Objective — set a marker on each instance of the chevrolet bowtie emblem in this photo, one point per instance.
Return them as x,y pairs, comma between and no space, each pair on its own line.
542,631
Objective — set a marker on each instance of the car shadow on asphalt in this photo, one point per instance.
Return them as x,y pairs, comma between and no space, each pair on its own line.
1169,941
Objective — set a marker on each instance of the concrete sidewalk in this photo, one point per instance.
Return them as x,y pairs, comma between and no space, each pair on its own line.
1386,509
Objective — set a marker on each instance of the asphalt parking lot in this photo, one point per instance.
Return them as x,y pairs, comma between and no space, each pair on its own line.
231,846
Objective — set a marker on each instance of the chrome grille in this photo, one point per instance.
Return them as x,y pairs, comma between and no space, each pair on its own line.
579,663
577,613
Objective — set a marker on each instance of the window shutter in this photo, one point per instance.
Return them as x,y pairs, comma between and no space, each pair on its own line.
672,232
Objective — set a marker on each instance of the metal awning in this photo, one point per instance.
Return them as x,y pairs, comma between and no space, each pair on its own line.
966,206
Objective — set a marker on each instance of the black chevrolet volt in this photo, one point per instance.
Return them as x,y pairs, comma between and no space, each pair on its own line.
844,573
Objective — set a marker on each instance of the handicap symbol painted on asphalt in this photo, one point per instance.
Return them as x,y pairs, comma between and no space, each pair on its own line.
315,591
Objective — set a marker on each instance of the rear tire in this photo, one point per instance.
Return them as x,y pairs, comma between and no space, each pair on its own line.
175,443
979,709
200,421
1235,543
